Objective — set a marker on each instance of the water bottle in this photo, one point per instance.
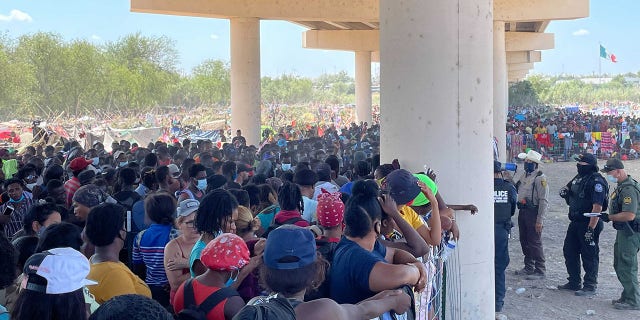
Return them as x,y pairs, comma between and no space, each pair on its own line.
448,250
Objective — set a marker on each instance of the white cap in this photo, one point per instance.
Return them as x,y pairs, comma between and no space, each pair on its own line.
531,156
174,170
64,270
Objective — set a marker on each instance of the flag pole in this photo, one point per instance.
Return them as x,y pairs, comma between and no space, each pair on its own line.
599,64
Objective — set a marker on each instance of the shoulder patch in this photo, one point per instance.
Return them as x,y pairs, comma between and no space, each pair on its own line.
627,200
543,182
598,187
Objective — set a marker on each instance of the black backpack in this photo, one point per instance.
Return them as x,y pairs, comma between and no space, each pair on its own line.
275,225
192,311
327,249
268,308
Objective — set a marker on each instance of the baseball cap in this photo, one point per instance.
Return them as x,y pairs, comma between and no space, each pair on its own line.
227,252
330,209
187,207
57,271
173,170
289,247
403,186
612,164
90,196
588,158
421,199
497,166
79,163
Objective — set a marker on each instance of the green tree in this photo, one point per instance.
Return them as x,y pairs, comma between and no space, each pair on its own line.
212,82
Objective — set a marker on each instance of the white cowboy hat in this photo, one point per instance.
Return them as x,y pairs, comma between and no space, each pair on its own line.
531,156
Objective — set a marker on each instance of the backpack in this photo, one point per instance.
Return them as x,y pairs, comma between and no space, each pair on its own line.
327,249
192,311
268,308
409,314
274,225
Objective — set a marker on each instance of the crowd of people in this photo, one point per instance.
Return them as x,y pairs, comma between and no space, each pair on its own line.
559,134
188,230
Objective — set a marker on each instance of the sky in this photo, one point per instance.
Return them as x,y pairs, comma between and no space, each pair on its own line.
613,23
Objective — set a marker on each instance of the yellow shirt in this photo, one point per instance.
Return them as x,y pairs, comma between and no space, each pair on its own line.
412,217
115,279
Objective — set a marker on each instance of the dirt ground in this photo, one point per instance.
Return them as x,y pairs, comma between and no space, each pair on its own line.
541,299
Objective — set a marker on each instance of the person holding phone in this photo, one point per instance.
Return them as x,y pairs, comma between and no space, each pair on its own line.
14,210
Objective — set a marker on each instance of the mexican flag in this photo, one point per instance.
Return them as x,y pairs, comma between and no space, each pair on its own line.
607,55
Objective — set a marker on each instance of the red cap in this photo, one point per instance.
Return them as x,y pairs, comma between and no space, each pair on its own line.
79,163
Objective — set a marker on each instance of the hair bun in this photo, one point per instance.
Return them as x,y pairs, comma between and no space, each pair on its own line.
365,188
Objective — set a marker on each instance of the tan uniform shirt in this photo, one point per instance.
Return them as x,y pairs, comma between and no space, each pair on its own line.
534,189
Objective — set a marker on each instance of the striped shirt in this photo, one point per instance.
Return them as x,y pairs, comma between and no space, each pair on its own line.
20,210
149,250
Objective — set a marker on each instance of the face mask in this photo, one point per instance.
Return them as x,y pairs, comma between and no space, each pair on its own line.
584,170
31,185
96,161
123,163
21,198
612,179
232,279
529,167
286,166
202,184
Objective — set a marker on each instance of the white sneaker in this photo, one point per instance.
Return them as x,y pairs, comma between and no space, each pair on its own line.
501,316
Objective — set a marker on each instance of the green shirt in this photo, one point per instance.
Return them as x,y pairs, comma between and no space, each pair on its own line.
625,197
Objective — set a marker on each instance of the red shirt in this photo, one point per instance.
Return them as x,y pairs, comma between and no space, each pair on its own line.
70,187
201,293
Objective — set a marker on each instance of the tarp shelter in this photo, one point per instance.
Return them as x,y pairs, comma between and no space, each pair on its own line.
140,135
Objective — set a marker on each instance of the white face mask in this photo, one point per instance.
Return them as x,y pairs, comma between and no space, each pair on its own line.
612,179
31,185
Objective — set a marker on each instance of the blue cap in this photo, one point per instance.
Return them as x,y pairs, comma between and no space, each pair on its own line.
403,186
289,247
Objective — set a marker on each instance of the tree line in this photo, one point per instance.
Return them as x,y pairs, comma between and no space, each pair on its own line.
43,75
543,90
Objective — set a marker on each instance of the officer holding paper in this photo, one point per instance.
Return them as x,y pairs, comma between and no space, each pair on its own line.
625,218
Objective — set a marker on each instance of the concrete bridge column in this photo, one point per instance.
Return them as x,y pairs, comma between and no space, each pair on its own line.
245,78
500,89
436,109
363,87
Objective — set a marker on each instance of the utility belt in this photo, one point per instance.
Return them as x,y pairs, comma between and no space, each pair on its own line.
526,205
629,227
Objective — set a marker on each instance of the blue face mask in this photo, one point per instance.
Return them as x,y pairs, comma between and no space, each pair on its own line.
232,279
612,179
21,198
96,161
202,184
286,166
529,167
123,163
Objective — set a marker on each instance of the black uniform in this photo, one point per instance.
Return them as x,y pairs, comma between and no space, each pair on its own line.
584,192
504,206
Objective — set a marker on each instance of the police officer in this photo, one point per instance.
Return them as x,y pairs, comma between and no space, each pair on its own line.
625,215
504,206
533,193
585,193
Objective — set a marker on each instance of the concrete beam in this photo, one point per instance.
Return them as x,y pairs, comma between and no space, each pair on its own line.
519,66
347,40
375,56
525,41
369,40
518,74
523,57
539,10
293,10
